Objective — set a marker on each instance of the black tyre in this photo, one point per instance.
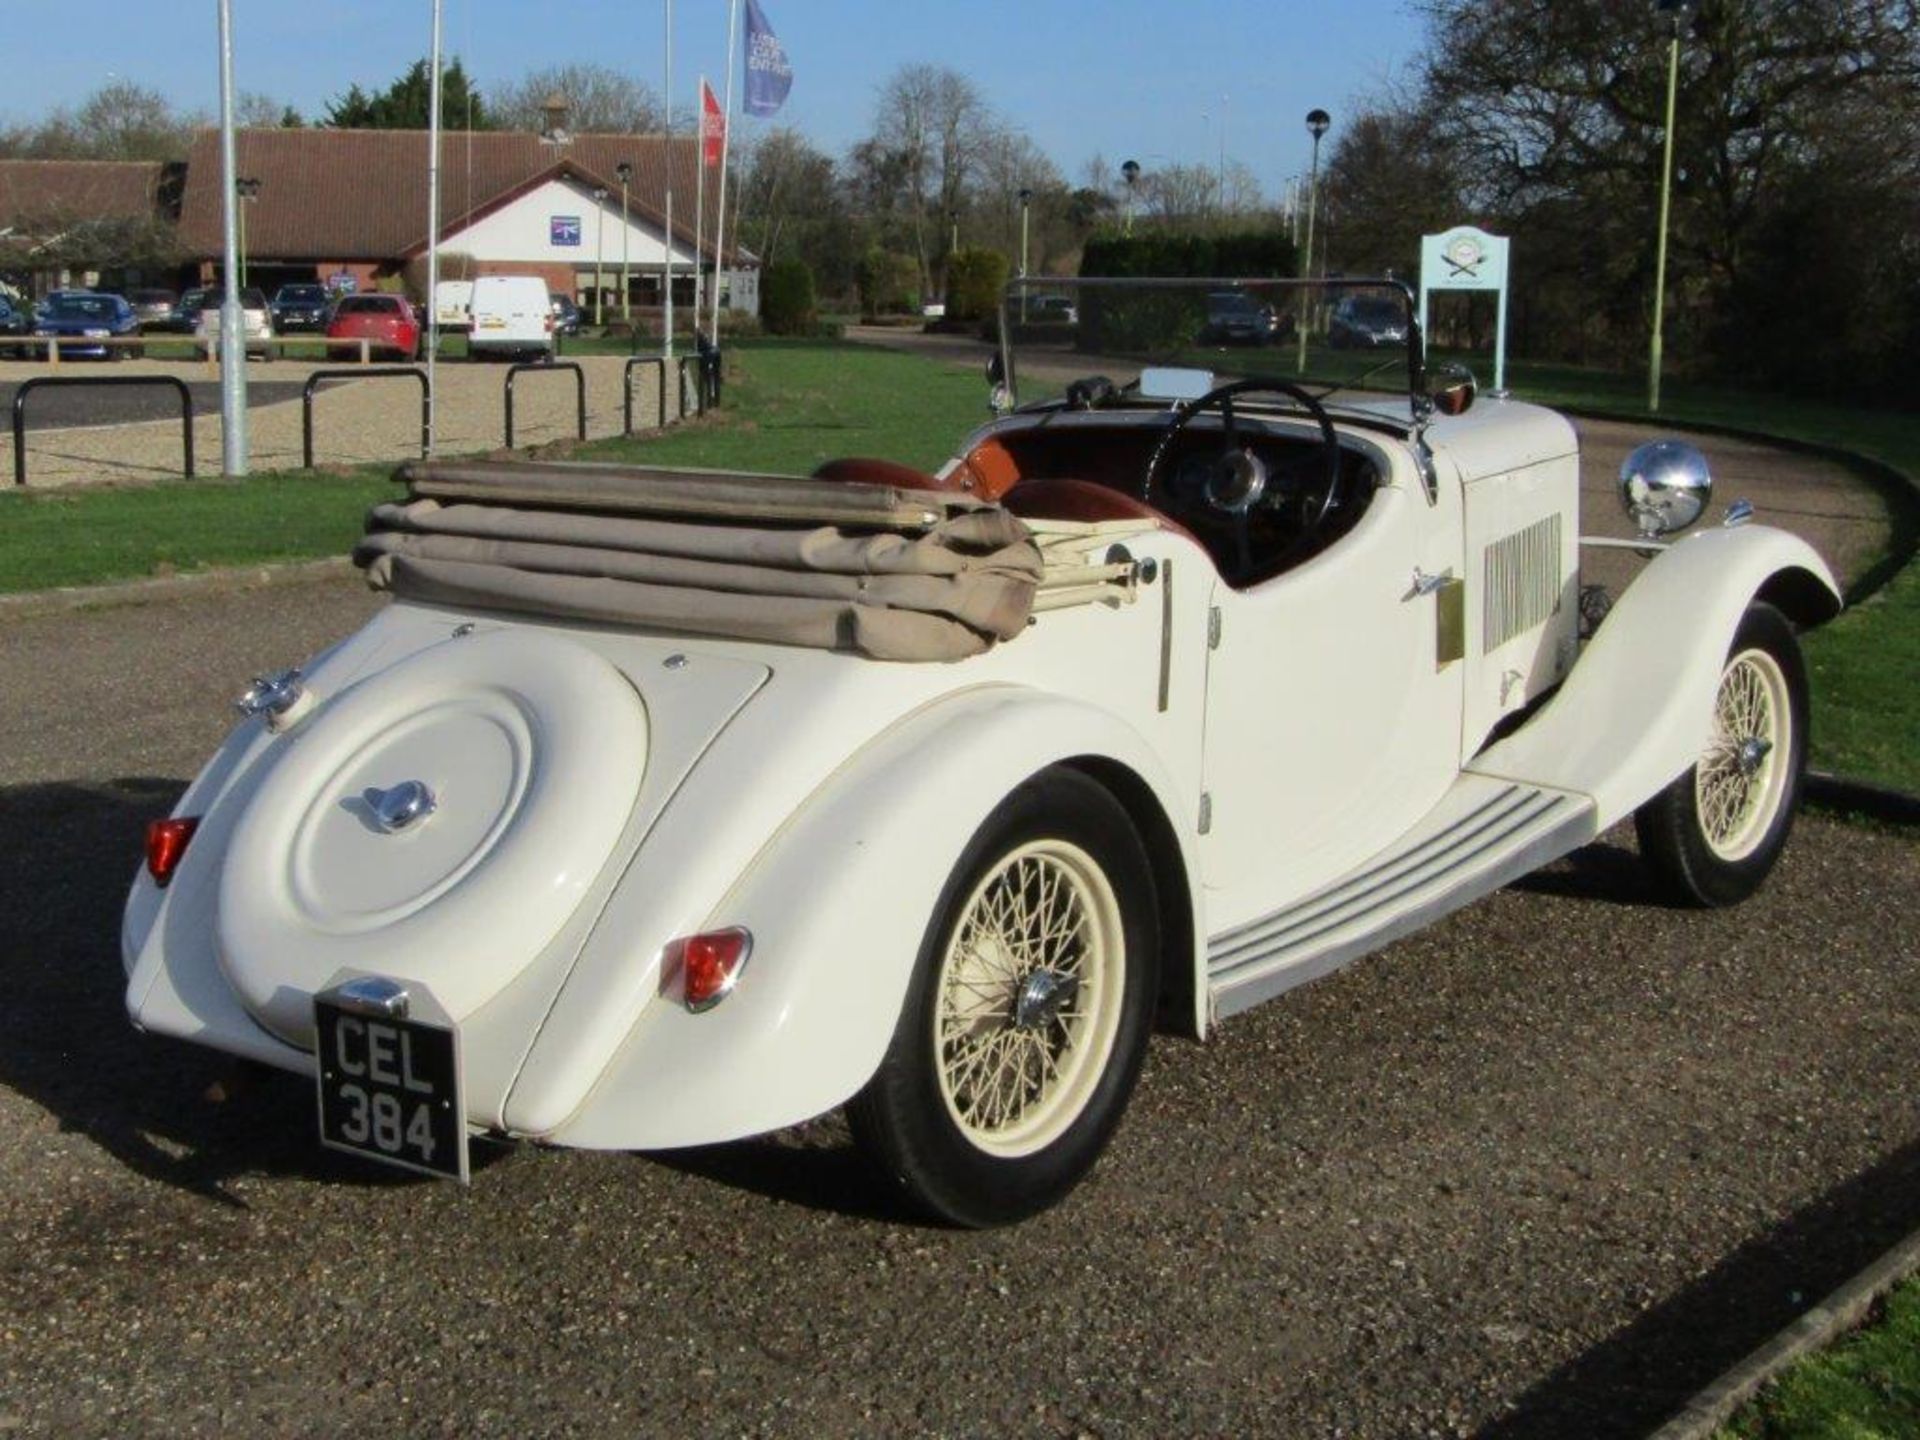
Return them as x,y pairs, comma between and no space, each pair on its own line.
1712,836
1027,1018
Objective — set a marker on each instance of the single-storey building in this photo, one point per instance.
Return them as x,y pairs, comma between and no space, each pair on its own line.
349,207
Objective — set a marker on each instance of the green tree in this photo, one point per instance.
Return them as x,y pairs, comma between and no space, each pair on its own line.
403,105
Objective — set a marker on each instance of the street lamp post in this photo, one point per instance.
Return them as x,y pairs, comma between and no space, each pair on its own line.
1026,198
1317,123
625,172
248,190
1676,14
1130,172
599,249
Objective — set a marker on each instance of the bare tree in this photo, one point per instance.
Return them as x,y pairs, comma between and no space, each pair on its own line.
934,120
599,99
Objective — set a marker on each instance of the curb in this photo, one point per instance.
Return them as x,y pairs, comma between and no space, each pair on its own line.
33,603
1838,1313
1861,797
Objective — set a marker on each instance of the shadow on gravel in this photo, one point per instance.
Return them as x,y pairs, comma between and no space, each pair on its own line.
1636,1378
1599,871
65,1041
831,1178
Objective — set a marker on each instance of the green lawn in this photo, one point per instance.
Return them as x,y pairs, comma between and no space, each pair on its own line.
790,405
1866,1387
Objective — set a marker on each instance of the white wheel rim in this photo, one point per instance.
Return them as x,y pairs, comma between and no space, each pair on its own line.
1742,776
1046,910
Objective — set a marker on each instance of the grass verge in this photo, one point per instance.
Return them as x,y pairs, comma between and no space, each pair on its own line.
1866,1387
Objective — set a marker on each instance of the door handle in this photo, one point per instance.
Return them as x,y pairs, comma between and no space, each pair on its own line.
1425,584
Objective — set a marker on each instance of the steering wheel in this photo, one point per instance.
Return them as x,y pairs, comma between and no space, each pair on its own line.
1238,479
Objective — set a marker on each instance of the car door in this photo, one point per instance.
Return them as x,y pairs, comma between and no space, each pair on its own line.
1333,703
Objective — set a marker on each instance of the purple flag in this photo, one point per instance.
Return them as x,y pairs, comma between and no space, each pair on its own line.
769,76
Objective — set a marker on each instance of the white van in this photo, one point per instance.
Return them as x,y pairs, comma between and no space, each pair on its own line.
452,304
511,316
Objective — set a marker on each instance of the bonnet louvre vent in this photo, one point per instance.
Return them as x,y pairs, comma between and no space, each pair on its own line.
1522,581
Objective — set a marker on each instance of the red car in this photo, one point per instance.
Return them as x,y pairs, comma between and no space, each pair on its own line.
386,321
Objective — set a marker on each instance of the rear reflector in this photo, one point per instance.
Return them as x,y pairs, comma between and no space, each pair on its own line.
167,843
708,966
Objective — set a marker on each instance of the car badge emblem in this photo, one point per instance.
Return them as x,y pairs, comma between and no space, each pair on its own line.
406,804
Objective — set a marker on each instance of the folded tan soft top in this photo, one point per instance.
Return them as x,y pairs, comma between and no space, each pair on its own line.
880,571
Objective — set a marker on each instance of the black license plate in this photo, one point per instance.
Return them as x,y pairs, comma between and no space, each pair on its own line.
390,1089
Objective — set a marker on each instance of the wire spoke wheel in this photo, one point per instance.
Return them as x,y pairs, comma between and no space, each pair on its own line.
1029,997
1742,774
1026,1020
1712,836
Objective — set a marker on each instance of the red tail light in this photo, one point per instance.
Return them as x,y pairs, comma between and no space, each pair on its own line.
167,844
708,966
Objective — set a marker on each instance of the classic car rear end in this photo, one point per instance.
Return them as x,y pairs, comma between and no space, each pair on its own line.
664,808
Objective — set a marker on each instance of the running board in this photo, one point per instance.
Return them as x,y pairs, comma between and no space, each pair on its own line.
1484,834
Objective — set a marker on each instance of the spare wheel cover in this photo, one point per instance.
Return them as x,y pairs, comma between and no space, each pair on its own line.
532,748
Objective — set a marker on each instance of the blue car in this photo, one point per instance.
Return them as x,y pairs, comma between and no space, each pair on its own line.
87,315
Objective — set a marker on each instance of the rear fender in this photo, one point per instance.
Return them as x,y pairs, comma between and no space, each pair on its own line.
1637,708
838,903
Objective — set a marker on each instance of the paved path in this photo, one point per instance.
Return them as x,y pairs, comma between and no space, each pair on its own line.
1538,1172
354,423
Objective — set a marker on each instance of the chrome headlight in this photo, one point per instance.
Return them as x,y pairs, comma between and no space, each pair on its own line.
1665,486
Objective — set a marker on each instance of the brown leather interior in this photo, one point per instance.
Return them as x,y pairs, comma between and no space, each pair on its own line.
989,470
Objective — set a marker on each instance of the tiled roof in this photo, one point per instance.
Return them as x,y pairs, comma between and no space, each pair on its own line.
37,193
362,194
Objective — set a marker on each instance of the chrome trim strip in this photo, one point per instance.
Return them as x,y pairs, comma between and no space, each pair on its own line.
1527,831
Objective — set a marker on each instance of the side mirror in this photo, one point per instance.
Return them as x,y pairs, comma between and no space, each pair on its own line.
1453,388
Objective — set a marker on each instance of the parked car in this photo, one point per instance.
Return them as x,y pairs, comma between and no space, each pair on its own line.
257,323
14,324
86,315
300,309
386,320
153,307
512,316
1236,318
1366,322
1048,310
661,809
566,314
185,316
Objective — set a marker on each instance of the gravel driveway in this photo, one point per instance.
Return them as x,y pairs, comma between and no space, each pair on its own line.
1538,1172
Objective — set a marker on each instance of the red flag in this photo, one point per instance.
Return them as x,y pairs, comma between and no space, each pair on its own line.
713,127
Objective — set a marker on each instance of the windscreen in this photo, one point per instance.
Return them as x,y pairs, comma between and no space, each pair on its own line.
1335,335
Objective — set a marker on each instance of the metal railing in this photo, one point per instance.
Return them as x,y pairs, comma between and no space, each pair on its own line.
626,389
371,372
41,382
579,385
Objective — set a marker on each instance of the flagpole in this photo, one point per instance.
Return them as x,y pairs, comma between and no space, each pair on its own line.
726,139
433,226
666,344
699,197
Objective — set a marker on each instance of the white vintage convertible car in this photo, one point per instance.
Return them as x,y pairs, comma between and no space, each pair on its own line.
665,808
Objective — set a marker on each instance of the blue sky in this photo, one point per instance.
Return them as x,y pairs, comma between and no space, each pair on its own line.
1147,79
